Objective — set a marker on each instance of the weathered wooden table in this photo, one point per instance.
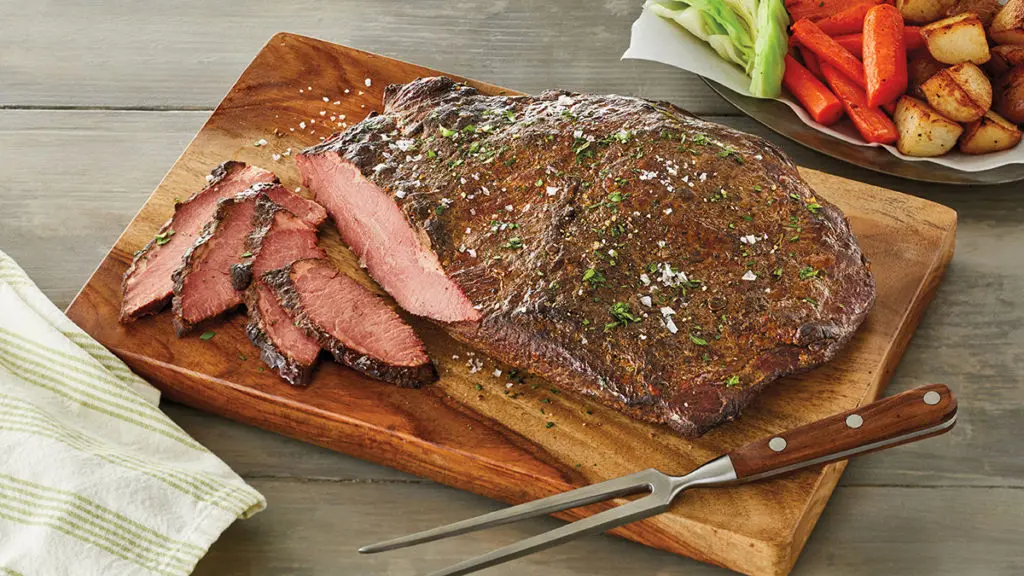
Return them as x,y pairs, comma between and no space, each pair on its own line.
97,99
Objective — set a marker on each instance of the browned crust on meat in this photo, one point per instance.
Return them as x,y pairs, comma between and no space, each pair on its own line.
280,282
196,252
291,370
218,174
263,219
541,316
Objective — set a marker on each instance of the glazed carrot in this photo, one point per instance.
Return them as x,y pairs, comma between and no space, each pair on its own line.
885,55
827,50
815,97
912,39
872,123
849,21
818,9
810,61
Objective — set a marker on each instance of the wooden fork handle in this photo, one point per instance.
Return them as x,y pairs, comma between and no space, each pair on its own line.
913,415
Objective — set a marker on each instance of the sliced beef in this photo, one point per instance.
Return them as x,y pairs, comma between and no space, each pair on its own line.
666,266
307,210
283,346
147,285
355,325
203,286
392,250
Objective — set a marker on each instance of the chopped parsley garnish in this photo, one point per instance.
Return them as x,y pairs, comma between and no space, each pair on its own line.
593,276
164,237
615,196
620,311
549,425
207,335
469,128
733,380
700,139
242,356
777,273
246,254
440,208
474,147
698,340
510,116
446,133
814,207
538,183
514,243
808,272
810,301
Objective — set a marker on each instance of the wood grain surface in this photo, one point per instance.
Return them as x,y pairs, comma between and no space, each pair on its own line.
466,431
126,86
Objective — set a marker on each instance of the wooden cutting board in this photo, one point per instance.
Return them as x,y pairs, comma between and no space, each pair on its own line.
471,430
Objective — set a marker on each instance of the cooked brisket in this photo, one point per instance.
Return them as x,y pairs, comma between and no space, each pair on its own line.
664,265
147,284
283,346
356,326
203,286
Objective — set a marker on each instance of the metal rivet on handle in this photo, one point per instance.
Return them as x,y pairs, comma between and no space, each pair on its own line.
854,421
932,397
777,444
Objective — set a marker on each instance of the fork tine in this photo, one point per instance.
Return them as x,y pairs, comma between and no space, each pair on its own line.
631,512
621,486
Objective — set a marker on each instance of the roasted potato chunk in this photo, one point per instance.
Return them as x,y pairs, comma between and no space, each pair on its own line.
962,92
1004,58
923,11
990,133
957,39
1009,94
1008,25
919,69
923,131
985,9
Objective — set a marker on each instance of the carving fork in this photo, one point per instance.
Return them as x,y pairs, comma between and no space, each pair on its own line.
913,415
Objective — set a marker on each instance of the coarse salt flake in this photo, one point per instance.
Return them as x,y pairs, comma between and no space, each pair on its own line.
750,276
260,142
646,301
302,124
497,372
671,325
552,190
368,82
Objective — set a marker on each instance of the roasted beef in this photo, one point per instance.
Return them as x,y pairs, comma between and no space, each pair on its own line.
666,266
203,284
283,346
355,325
208,282
147,284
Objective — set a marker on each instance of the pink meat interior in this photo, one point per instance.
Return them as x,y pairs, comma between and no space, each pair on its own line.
353,315
289,239
151,281
278,326
309,211
207,290
380,235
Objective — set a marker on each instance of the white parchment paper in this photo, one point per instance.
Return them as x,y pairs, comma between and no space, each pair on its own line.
654,38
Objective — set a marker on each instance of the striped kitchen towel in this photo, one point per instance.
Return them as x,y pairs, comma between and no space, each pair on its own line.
94,478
